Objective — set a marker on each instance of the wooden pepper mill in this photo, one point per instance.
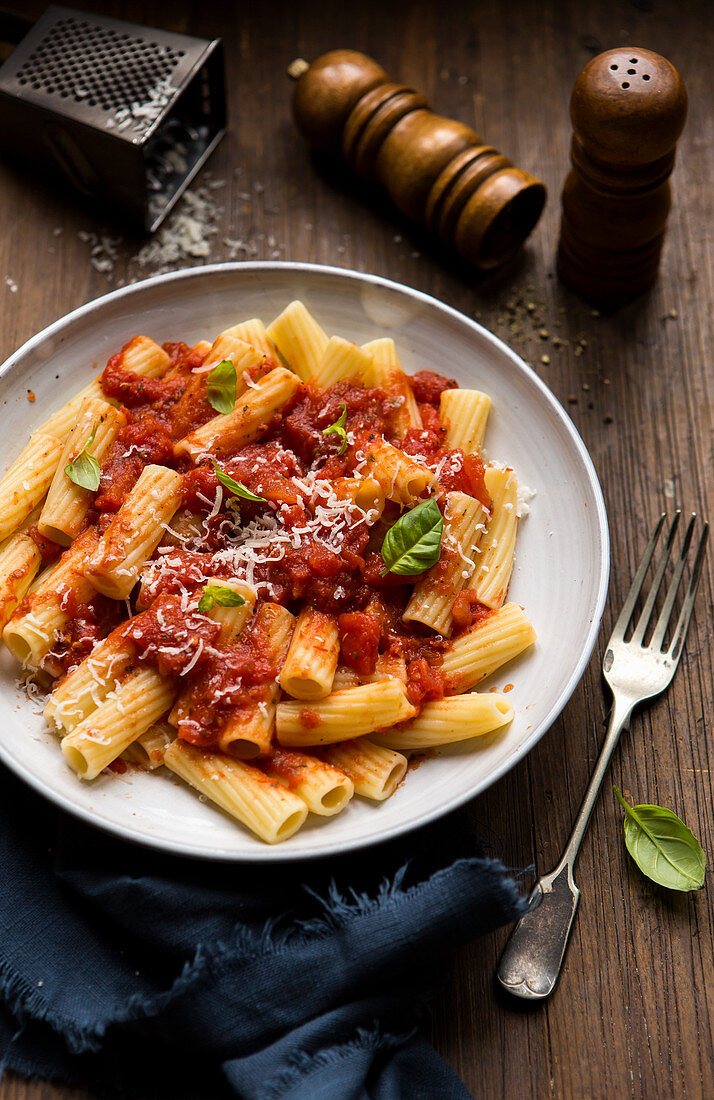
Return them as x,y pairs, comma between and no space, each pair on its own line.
628,108
436,170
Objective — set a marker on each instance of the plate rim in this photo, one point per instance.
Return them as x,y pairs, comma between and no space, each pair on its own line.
278,853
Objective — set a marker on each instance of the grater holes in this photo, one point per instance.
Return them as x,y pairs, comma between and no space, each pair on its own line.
97,65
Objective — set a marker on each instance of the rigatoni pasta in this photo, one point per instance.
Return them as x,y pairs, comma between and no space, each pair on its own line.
272,563
135,532
490,579
20,559
27,480
258,801
67,502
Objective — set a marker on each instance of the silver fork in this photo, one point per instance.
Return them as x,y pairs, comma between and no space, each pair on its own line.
533,955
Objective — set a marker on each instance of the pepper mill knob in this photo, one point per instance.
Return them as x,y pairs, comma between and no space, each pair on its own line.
435,169
628,109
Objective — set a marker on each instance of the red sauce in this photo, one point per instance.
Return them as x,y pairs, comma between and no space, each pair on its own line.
424,682
290,766
49,550
359,641
87,624
330,561
468,610
311,411
428,386
233,678
172,638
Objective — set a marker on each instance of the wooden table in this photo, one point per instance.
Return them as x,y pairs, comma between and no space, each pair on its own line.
632,1015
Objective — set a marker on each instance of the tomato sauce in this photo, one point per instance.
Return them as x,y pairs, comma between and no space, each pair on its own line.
87,624
428,386
233,679
49,550
290,766
359,641
468,610
172,637
308,550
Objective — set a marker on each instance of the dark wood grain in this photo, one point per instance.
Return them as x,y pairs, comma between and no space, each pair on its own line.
632,1015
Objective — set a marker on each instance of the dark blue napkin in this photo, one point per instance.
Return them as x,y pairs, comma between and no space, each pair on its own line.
140,974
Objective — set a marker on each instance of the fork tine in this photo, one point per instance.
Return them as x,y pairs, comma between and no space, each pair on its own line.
666,612
646,615
680,633
618,631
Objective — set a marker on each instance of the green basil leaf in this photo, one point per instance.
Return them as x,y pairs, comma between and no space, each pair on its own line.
220,594
235,487
413,544
221,387
84,469
338,428
662,846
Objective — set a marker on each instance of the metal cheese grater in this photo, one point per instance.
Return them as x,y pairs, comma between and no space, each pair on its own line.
125,113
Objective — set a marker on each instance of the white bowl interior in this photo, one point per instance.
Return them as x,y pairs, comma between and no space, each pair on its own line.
560,576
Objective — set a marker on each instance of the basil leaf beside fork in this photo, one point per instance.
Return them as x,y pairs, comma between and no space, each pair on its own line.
662,846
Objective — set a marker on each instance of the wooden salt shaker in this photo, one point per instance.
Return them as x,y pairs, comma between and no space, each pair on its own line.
628,108
436,170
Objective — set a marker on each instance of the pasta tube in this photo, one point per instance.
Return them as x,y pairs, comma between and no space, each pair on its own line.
223,435
40,618
490,580
387,373
253,332
136,703
228,345
400,477
231,619
433,596
19,561
67,504
364,492
60,424
464,414
324,788
345,678
148,749
376,771
27,481
456,718
387,666
256,800
310,665
140,356
299,339
143,356
342,361
135,532
249,732
87,686
488,645
353,712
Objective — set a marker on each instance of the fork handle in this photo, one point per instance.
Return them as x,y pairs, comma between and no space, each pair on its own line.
531,961
533,955
620,714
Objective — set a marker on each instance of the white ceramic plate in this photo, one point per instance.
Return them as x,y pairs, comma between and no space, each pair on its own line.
560,576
